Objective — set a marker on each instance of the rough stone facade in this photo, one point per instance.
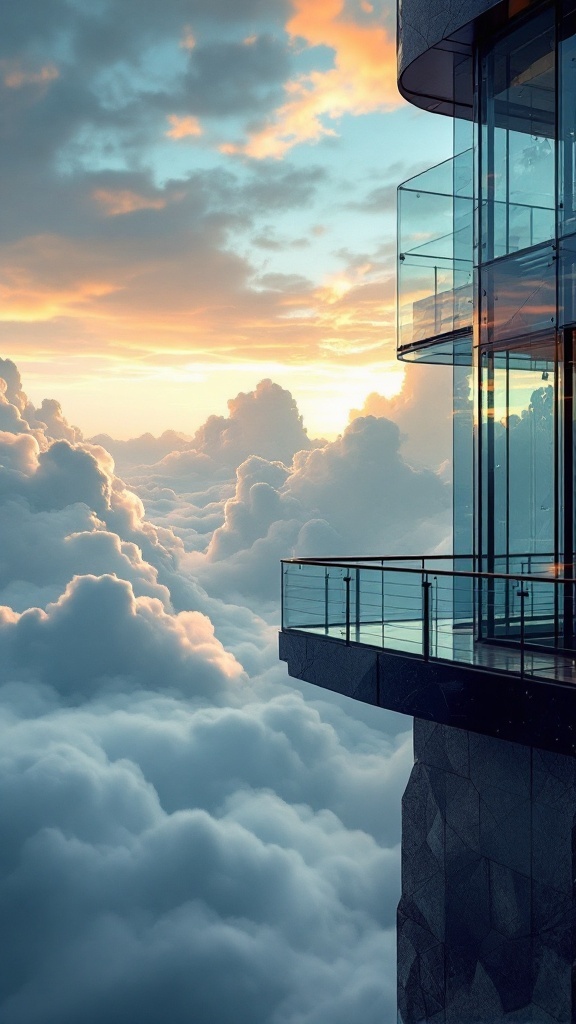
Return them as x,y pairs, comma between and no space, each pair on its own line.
486,922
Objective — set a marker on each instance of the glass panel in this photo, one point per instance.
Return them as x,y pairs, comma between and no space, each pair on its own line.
463,488
567,125
567,281
530,457
335,599
518,158
435,221
402,619
518,479
518,295
303,596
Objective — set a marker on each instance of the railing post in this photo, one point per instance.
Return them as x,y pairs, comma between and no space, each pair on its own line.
326,577
426,619
347,581
522,594
382,600
357,604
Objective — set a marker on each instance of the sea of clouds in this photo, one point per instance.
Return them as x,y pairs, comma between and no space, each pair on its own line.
187,833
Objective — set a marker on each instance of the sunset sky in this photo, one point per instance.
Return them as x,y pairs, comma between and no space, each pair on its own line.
197,233
198,194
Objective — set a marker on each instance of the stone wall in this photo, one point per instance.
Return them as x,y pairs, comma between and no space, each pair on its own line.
486,922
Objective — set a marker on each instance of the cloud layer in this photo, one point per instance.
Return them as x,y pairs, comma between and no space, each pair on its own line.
184,833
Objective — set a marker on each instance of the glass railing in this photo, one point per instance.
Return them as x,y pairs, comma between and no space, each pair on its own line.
435,255
514,622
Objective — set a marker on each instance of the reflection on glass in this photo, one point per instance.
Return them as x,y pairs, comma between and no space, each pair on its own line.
463,491
518,476
567,281
518,295
518,172
567,125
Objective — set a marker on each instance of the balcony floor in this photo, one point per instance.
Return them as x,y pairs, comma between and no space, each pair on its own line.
448,644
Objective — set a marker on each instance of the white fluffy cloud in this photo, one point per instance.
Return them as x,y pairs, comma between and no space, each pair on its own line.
263,422
184,835
155,891
354,496
423,412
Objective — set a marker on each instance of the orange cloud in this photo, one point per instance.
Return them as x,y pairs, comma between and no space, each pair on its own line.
362,80
14,76
120,201
183,127
71,297
188,41
47,276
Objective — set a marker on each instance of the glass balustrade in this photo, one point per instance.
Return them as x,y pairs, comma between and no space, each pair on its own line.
435,265
429,608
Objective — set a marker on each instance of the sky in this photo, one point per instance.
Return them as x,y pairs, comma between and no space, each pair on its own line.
197,379
198,194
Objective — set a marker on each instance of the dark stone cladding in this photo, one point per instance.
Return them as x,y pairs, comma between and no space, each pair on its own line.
486,922
529,711
435,36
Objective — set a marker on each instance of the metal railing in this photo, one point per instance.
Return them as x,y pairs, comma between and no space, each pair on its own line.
440,608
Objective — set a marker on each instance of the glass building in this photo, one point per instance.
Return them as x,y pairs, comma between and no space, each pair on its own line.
489,286
479,647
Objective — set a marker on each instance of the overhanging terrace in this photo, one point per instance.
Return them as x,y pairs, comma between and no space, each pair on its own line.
429,637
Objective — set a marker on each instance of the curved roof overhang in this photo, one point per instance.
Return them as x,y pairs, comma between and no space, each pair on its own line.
435,45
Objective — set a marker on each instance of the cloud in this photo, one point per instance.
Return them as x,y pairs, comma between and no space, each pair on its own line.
183,127
188,41
171,809
143,906
423,412
188,487
114,245
367,492
354,496
169,278
263,422
99,635
121,201
361,81
143,450
224,79
15,77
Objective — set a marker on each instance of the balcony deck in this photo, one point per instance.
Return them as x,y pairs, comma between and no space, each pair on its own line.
454,645
436,609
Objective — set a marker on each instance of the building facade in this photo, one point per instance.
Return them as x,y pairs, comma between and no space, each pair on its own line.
479,648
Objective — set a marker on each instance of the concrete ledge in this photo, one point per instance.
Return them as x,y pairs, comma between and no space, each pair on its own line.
532,712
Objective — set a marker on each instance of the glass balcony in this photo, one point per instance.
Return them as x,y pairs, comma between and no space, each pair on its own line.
435,260
519,621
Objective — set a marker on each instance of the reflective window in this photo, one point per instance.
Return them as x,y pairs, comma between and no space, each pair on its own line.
517,140
567,125
518,452
518,295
